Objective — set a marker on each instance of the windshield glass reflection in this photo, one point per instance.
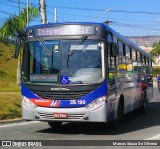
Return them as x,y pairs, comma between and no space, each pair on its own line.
50,61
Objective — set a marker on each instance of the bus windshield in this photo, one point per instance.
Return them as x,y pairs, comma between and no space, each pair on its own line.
65,61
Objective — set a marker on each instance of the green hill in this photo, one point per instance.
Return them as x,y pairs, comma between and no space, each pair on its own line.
8,66
10,99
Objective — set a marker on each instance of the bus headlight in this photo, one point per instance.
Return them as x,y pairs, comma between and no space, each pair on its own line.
97,103
29,104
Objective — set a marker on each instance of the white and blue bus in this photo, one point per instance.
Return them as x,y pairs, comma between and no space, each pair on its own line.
82,72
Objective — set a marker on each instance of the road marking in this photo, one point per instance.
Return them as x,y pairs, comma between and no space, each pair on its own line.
157,137
18,124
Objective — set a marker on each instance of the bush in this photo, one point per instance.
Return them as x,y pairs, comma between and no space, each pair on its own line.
156,70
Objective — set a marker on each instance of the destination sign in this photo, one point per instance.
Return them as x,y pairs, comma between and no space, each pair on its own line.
43,78
67,30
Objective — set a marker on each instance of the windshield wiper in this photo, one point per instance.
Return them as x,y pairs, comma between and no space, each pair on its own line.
45,47
79,43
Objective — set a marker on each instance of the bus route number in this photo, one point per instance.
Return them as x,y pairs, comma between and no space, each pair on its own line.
77,102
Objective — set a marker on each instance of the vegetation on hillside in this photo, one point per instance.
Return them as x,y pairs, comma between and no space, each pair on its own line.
10,101
156,71
156,49
8,66
10,106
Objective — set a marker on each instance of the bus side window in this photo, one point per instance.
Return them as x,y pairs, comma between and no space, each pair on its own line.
111,61
122,52
148,62
141,58
129,61
145,60
134,55
138,59
111,57
128,54
134,60
109,48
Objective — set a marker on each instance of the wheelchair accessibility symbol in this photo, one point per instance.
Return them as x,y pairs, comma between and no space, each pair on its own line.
64,80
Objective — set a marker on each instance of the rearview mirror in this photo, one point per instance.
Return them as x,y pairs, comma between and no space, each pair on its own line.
19,39
17,49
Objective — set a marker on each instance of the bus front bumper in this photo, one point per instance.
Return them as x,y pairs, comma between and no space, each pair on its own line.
66,114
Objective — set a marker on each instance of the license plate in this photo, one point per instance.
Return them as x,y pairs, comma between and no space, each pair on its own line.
60,115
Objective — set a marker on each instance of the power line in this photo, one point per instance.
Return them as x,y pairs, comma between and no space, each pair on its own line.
86,9
23,3
11,1
143,12
79,15
75,8
111,10
146,27
89,9
6,12
9,5
135,26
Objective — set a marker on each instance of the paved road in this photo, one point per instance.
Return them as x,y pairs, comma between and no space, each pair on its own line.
136,126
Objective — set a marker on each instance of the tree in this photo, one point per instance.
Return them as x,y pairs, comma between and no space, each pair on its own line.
17,23
155,52
156,49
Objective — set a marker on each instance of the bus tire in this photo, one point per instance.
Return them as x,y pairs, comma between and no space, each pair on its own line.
117,122
55,125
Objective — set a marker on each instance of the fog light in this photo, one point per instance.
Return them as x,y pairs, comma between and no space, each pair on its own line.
28,103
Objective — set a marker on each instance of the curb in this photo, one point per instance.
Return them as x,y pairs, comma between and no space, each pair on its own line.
8,121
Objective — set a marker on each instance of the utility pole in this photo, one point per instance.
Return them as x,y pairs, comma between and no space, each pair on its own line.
19,6
27,14
55,15
43,11
107,22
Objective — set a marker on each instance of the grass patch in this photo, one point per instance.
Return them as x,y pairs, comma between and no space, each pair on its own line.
8,67
10,106
10,98
8,82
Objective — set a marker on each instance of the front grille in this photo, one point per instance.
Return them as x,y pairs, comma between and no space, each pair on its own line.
61,94
49,116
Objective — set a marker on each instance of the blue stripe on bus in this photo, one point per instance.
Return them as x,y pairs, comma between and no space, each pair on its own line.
26,92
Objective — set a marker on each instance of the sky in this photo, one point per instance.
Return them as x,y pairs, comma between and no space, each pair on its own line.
128,17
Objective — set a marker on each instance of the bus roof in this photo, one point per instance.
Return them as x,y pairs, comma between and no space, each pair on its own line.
128,42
